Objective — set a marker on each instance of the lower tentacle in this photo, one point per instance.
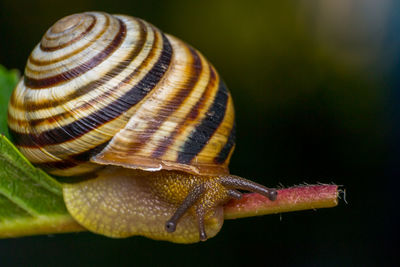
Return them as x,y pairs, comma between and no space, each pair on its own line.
200,220
189,201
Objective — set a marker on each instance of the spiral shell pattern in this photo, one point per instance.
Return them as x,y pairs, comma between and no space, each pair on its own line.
113,89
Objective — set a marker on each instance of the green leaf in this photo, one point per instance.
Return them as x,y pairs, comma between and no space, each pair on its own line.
8,80
31,201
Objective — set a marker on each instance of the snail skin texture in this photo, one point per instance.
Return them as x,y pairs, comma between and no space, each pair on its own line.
139,122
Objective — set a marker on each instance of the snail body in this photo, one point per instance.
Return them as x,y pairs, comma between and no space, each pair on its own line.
141,117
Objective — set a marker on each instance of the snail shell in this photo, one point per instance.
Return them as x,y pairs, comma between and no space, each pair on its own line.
113,98
116,90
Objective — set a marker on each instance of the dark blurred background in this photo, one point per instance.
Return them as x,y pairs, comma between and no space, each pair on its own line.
315,85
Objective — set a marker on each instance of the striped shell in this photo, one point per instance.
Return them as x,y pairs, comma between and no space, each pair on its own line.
113,89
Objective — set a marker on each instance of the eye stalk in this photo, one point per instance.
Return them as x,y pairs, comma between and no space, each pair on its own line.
230,185
236,182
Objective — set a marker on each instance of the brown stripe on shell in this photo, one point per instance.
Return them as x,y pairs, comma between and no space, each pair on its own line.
77,38
192,116
205,130
81,69
72,161
69,168
112,111
36,105
173,104
33,61
224,153
57,165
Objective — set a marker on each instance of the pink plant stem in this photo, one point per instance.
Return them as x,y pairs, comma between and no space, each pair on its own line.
289,199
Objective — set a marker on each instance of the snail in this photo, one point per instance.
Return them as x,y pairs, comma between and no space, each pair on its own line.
138,123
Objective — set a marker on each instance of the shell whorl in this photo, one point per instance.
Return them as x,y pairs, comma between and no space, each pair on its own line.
113,89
